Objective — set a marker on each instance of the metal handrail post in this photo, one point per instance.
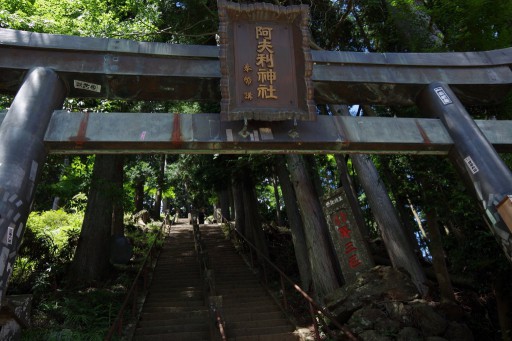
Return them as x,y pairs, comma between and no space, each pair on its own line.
315,323
308,298
120,326
283,289
134,300
133,290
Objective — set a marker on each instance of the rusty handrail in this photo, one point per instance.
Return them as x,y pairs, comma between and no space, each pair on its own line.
118,322
204,265
312,303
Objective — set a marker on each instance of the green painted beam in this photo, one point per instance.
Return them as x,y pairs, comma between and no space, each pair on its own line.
88,133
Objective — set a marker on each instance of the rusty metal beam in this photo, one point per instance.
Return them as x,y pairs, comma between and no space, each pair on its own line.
155,71
139,133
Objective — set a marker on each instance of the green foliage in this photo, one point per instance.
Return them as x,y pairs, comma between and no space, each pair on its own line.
68,313
96,18
82,315
327,171
470,25
267,199
63,177
189,21
5,102
54,224
373,25
479,258
47,247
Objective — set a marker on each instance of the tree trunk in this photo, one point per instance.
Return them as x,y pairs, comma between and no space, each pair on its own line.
501,285
438,257
311,167
323,270
397,244
296,226
139,194
231,200
56,200
279,219
238,201
346,180
91,260
351,193
118,210
417,218
401,203
253,229
160,189
224,202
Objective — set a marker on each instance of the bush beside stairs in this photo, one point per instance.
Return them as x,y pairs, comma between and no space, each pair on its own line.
176,309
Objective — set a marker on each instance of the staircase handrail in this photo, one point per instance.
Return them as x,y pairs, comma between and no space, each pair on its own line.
309,299
204,264
118,322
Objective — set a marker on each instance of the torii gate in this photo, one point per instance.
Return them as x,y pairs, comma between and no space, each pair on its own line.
43,69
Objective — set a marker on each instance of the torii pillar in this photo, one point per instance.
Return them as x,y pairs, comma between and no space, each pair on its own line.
22,154
474,157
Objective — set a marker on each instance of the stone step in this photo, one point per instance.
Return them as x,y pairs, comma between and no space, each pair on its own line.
176,289
179,277
258,331
187,279
259,323
175,262
273,337
173,328
239,317
166,288
154,303
175,321
241,288
187,336
183,281
177,294
158,316
176,309
232,299
237,281
252,308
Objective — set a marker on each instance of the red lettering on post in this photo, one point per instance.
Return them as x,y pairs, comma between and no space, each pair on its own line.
344,232
339,218
349,247
354,261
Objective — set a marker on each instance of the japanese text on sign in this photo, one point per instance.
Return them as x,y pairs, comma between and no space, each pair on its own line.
339,219
266,75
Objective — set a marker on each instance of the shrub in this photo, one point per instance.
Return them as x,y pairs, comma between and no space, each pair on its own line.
46,248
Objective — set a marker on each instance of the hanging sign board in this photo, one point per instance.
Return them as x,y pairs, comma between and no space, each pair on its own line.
265,62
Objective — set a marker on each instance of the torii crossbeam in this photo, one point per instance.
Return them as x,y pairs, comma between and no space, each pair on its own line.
42,70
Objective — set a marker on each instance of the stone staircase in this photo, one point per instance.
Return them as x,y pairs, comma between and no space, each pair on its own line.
248,310
175,307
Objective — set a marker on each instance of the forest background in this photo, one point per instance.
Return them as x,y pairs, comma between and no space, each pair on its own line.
440,221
